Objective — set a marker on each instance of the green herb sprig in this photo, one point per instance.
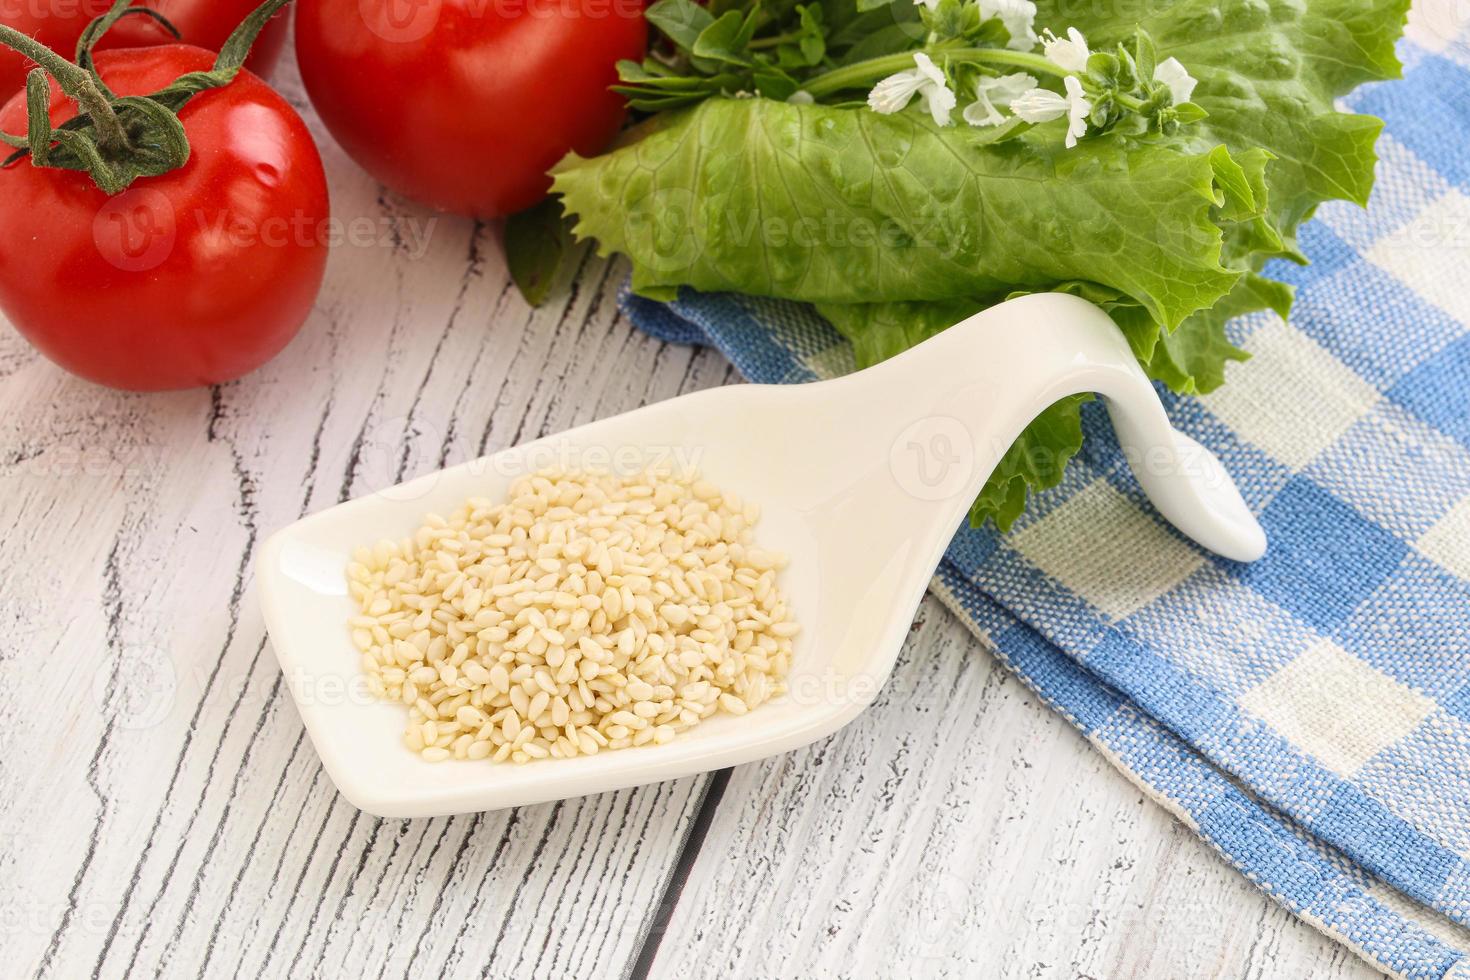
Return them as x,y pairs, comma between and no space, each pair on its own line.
803,52
955,153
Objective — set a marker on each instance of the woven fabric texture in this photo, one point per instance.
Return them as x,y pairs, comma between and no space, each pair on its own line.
1309,714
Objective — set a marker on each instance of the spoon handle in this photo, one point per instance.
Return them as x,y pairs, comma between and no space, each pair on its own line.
995,372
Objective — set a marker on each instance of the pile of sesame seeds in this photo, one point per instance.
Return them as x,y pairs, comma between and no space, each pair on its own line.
589,611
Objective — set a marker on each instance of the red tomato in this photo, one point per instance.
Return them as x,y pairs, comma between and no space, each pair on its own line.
464,105
190,278
59,23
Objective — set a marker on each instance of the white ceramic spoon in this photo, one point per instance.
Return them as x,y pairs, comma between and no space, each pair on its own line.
861,480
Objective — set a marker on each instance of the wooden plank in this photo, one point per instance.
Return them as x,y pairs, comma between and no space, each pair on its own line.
959,828
164,814
174,818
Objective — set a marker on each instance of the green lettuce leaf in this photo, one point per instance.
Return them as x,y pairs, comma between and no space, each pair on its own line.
877,331
896,228
1269,72
831,205
1035,461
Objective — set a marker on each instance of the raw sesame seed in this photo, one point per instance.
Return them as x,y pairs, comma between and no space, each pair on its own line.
589,612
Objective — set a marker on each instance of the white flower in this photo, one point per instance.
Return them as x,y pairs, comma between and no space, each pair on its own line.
994,94
1069,53
1077,109
1039,106
1016,16
1173,74
931,4
924,80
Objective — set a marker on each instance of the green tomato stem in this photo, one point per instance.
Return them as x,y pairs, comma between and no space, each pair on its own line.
117,139
74,81
862,74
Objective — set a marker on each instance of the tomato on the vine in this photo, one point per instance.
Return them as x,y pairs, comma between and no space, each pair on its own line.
189,277
58,24
464,105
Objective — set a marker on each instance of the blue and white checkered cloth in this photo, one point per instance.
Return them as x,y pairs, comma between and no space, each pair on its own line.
1307,715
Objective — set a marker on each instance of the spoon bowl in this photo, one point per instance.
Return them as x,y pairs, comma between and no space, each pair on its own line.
861,481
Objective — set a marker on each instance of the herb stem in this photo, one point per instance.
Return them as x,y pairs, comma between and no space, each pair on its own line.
74,81
861,74
774,40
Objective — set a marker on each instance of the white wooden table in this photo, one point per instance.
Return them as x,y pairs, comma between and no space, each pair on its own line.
163,812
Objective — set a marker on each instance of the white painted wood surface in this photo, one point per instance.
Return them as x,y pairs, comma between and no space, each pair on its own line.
163,813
